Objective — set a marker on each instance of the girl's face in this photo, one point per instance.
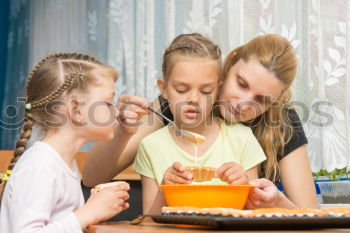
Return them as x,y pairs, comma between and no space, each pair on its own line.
99,111
191,89
248,91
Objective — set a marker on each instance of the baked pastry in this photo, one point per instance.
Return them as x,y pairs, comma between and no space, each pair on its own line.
201,174
257,213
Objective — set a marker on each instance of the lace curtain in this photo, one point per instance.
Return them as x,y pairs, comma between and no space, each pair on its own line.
132,35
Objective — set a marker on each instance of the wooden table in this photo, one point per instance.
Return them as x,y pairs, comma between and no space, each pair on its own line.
151,227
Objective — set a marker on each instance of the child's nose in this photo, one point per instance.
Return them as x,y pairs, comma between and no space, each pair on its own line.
194,97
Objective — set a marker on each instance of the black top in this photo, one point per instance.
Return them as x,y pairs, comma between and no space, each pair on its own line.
298,137
297,140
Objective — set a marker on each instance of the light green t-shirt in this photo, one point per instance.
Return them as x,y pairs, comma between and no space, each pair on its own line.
235,143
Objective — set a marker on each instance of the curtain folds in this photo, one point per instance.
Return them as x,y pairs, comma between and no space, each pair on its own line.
131,36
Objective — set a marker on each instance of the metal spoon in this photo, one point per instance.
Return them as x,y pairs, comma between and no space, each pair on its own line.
188,136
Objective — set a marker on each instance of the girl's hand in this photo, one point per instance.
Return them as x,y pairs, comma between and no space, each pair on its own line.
176,174
103,204
232,173
131,110
264,195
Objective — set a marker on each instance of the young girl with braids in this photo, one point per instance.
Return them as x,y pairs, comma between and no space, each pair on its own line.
192,76
69,97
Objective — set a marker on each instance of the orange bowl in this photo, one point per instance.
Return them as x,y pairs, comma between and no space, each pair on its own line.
206,196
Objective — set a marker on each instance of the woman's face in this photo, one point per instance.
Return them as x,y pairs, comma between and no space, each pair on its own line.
248,91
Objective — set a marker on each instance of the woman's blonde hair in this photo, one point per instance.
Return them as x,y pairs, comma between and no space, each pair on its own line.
190,45
272,128
53,77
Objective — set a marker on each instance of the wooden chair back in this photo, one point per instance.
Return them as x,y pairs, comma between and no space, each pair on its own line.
127,174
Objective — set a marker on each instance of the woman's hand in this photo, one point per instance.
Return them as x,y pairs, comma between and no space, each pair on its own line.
176,174
232,173
131,110
264,195
104,204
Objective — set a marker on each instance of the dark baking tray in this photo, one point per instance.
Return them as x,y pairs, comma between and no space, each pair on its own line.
257,223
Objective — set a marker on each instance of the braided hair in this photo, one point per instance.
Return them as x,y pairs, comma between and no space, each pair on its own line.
51,78
189,45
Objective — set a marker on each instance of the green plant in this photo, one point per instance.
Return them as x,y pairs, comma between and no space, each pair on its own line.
334,175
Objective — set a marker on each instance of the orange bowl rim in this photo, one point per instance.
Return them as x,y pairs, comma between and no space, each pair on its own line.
201,185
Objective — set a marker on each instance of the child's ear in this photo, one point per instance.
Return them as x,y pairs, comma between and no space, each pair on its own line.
75,113
162,86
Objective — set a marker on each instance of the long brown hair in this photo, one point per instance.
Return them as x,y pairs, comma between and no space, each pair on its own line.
273,128
52,78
